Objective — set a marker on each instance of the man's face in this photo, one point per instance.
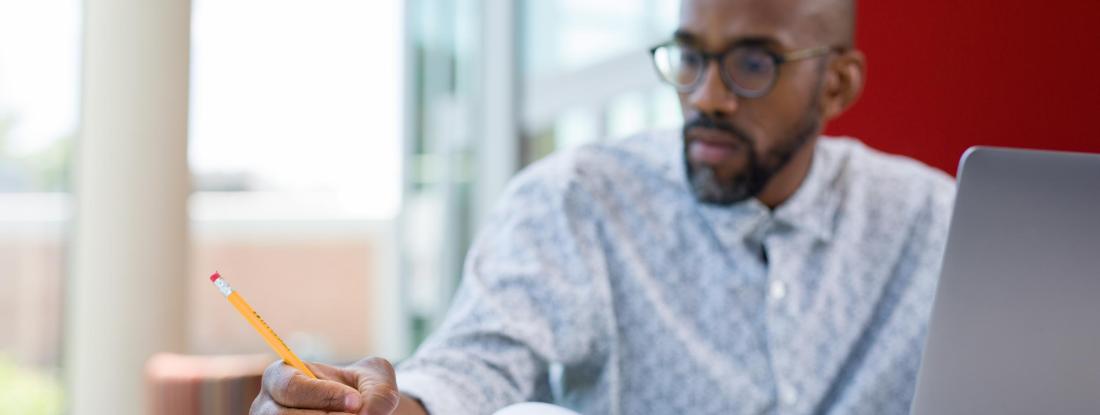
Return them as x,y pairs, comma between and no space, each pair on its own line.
733,146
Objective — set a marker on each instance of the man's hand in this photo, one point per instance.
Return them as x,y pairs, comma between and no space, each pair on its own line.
366,387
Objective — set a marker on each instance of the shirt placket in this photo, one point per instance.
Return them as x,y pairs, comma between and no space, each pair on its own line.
781,319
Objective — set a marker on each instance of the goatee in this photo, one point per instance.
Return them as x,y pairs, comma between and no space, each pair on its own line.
710,188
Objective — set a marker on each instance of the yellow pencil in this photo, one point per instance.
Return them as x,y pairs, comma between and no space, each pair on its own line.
258,323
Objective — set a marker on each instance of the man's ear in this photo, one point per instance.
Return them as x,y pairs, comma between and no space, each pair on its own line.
843,83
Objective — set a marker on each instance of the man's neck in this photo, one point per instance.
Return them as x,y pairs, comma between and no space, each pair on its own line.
787,181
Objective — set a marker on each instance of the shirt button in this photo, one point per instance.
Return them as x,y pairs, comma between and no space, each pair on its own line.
777,290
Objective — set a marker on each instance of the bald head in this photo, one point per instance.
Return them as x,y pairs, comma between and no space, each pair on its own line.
804,22
835,20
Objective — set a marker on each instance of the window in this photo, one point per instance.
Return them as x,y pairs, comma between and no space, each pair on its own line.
586,73
295,150
38,117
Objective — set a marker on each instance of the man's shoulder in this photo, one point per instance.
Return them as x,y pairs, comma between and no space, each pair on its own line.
860,163
891,189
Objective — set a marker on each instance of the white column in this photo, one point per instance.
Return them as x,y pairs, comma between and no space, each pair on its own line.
126,293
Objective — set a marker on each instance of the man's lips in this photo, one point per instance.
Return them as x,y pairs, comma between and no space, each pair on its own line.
712,146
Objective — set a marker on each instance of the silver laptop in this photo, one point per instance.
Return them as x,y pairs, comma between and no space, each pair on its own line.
1015,327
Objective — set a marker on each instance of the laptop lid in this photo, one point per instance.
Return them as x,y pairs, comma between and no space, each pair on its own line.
1015,327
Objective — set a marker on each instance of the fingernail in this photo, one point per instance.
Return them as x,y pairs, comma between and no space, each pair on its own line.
352,402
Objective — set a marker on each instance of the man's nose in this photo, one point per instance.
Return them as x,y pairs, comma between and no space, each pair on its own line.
712,97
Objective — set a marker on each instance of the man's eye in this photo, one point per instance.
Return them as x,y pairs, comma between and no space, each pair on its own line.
754,65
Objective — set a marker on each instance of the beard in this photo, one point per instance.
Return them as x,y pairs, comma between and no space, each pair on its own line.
710,188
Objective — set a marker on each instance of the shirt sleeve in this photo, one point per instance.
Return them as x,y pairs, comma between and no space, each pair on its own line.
528,298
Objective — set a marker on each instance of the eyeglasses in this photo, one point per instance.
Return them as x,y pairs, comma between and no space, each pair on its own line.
749,71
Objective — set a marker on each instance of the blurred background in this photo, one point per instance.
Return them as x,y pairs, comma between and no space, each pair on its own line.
333,159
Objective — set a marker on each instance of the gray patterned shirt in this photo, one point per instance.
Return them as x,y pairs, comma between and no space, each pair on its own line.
601,285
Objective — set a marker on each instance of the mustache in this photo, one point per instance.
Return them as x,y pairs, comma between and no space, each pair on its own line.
703,121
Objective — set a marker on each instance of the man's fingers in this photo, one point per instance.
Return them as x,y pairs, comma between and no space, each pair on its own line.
334,373
291,388
369,384
378,385
269,407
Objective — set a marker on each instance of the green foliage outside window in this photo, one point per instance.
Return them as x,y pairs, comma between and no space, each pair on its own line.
27,392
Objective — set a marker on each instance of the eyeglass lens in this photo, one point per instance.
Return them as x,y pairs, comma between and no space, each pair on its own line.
751,69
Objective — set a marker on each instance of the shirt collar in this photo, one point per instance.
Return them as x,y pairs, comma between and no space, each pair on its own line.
811,209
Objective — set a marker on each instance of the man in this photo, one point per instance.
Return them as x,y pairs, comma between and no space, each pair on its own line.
744,266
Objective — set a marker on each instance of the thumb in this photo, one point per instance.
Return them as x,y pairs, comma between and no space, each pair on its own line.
377,384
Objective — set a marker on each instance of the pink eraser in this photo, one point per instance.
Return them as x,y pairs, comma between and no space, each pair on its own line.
215,277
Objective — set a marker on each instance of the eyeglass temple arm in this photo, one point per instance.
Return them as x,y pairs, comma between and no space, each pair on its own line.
808,53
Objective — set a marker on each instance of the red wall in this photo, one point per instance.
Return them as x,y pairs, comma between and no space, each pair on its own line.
944,75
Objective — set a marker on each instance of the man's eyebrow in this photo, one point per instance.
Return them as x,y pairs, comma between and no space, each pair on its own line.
688,38
756,41
683,36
